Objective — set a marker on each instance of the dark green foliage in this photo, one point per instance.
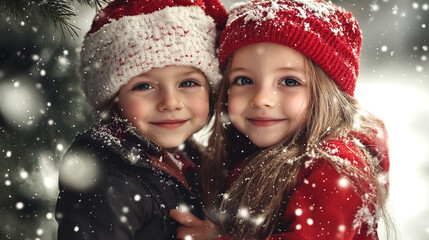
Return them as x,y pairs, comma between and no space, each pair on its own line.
59,12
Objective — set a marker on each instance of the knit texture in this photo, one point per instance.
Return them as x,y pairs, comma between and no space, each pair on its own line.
128,38
323,32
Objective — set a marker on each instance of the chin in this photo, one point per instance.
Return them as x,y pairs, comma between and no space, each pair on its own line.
170,145
168,142
261,143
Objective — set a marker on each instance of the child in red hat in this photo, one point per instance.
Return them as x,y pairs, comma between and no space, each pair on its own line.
296,155
148,70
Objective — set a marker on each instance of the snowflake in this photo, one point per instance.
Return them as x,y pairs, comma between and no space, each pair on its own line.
243,213
362,216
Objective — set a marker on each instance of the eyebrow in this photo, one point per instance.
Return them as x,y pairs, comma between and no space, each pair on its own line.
277,69
185,73
292,68
191,72
238,69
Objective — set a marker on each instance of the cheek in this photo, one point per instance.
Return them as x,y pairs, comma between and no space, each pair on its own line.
201,109
235,103
232,108
131,109
199,104
296,107
236,106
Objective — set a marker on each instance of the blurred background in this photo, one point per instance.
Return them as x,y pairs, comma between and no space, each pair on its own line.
42,107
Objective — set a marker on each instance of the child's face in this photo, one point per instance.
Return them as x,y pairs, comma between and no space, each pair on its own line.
269,92
167,104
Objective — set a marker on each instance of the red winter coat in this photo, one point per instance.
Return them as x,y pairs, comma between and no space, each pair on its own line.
324,205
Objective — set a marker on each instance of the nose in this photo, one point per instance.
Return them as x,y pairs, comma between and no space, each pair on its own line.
169,101
263,97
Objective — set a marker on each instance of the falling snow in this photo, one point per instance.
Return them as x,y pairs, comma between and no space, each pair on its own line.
42,108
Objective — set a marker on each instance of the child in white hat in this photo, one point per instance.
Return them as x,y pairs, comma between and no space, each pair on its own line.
148,70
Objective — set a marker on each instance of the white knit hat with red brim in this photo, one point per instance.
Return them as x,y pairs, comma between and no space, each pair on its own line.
131,37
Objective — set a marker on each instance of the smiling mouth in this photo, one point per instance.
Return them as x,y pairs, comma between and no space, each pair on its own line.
170,124
264,122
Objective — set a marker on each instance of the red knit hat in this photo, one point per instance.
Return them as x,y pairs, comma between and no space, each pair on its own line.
323,32
129,37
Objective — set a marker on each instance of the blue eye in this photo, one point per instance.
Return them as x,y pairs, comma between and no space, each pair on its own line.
290,82
143,86
243,81
188,83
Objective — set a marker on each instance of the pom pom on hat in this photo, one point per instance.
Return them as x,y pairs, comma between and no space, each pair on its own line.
130,37
323,32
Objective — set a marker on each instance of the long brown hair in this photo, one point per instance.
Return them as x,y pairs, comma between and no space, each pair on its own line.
331,114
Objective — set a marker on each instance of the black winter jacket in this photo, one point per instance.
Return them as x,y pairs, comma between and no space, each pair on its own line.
114,184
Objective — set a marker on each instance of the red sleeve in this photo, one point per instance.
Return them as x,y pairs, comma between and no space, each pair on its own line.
325,206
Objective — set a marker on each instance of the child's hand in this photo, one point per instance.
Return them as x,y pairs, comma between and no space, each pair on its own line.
193,227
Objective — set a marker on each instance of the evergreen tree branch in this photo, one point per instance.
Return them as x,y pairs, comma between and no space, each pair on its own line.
93,3
59,12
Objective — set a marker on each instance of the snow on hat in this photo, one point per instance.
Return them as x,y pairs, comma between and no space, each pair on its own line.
129,37
323,32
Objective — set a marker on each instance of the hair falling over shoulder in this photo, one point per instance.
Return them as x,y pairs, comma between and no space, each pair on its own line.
332,114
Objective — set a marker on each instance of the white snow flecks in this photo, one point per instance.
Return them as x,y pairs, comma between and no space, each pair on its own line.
108,138
308,163
267,10
343,182
21,105
307,27
79,171
137,198
243,213
383,178
362,216
320,9
134,155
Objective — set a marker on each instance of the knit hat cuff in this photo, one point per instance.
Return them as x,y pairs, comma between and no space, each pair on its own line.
132,45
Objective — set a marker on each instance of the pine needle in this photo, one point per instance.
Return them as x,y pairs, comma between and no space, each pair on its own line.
60,12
